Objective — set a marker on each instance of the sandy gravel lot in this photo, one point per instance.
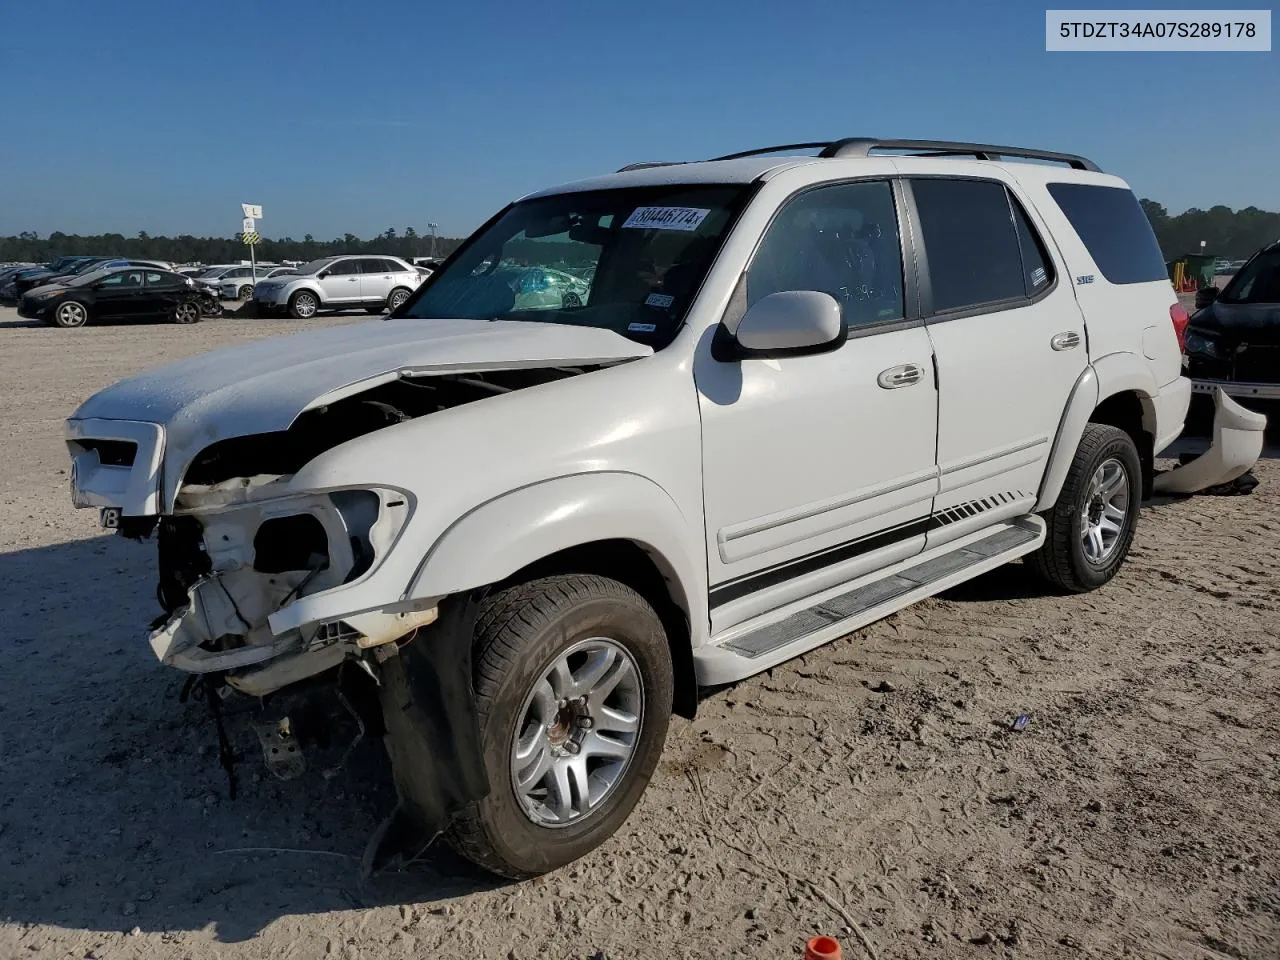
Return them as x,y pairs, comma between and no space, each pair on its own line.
1137,815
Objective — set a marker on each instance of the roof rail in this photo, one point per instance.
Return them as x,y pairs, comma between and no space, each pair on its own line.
862,147
646,164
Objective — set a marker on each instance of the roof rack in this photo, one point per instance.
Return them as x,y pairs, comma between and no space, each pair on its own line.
862,147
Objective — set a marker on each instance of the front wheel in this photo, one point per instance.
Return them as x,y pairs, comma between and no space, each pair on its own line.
303,305
573,684
186,311
245,292
70,313
1091,527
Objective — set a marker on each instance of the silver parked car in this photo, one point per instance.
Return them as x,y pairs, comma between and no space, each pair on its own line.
338,283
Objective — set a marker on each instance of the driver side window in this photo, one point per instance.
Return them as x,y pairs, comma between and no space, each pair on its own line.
344,268
841,240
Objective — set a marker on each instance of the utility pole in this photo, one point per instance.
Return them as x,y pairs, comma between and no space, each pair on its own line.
433,227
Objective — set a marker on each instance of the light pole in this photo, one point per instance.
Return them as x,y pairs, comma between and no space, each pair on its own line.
433,227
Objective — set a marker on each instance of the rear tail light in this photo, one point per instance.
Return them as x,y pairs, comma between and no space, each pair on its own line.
1178,314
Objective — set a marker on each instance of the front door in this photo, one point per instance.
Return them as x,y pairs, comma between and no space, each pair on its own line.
119,295
820,468
1010,344
341,283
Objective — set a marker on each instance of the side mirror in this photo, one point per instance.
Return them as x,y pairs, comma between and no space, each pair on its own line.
1206,296
793,323
322,274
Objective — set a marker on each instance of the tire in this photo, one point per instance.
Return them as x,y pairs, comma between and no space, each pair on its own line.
245,292
186,312
1078,555
521,633
70,314
303,305
397,296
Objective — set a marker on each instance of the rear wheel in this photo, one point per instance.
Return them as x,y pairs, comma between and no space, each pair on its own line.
573,685
70,313
398,296
1091,527
303,305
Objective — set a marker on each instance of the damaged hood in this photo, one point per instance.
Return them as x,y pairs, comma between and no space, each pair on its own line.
263,386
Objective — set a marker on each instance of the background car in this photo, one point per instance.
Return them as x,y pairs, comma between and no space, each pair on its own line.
542,288
238,283
337,283
1233,341
113,294
25,285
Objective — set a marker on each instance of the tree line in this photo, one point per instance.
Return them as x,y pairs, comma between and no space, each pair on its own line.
1234,234
188,249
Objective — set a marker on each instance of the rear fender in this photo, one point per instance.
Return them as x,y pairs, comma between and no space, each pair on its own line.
1108,376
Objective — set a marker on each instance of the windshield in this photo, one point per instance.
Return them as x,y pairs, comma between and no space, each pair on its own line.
1258,282
313,266
213,273
630,261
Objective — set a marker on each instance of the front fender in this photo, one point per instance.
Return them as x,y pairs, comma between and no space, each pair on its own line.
503,535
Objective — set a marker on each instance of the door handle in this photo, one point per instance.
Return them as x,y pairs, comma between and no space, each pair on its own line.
1067,340
352,279
903,375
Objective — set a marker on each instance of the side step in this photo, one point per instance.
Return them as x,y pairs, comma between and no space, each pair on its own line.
772,638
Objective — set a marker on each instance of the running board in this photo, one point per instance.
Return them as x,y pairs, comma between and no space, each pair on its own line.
772,638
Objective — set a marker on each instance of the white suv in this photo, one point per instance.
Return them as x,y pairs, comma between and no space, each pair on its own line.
338,283
798,393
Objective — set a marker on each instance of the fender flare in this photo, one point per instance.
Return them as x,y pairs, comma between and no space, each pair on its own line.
1106,377
503,535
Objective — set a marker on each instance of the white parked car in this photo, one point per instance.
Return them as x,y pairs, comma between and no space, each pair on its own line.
339,283
238,283
799,393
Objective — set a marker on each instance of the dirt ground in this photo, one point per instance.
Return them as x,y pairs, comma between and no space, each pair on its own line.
872,790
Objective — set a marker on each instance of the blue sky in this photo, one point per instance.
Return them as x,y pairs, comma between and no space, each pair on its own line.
341,117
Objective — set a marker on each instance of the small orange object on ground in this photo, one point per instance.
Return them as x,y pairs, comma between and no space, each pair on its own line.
822,948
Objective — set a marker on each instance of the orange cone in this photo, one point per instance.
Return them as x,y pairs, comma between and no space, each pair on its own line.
822,948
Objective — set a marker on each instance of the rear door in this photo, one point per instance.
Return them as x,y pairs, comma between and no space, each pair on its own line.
341,282
163,290
376,279
1009,343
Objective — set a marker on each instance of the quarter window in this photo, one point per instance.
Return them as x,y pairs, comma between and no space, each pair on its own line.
1037,268
970,241
840,240
1115,229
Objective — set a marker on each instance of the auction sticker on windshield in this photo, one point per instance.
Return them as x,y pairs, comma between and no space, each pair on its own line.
666,218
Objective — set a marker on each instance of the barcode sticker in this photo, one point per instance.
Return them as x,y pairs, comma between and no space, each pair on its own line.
666,218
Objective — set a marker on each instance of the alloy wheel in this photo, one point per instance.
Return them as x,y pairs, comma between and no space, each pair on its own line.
1105,512
576,732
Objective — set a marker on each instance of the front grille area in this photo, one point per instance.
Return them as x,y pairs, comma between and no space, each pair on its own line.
112,453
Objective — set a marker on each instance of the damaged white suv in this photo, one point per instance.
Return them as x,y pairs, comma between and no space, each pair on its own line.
798,393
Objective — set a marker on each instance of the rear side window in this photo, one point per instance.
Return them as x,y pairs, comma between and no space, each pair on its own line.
1114,229
970,241
375,266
